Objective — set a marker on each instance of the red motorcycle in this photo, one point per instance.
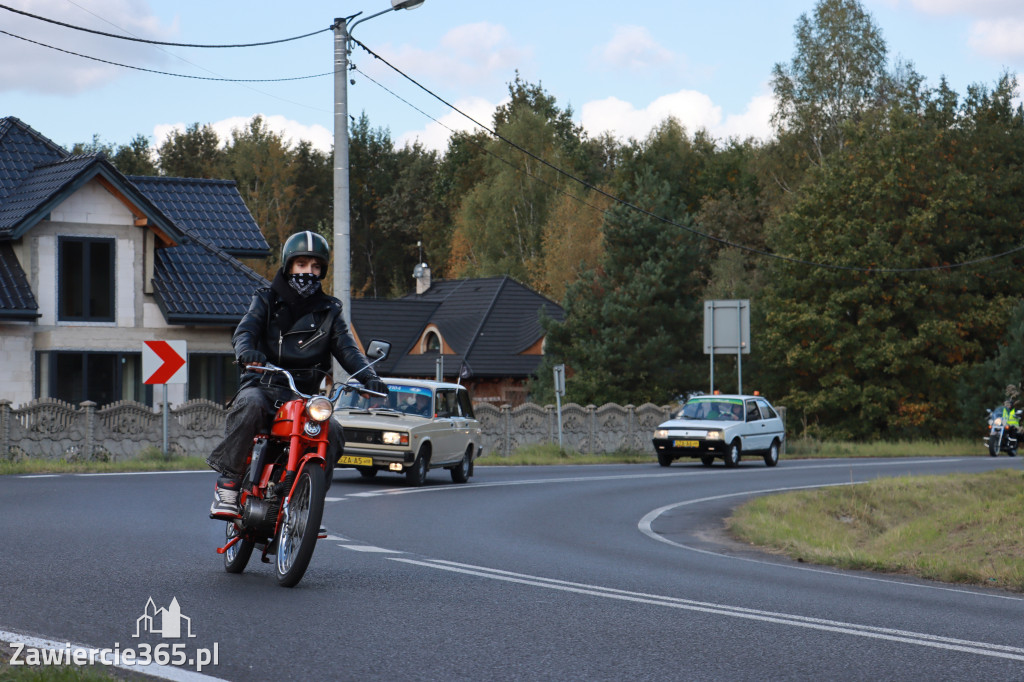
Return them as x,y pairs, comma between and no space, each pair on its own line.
282,492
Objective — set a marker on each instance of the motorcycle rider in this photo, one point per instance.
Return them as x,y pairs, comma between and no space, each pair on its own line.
295,325
1010,418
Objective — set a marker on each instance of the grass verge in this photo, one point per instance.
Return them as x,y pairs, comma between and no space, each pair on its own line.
958,529
150,459
550,453
800,448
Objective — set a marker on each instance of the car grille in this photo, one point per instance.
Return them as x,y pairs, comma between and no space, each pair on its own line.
363,436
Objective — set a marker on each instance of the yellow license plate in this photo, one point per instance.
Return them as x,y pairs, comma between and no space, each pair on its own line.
356,461
686,444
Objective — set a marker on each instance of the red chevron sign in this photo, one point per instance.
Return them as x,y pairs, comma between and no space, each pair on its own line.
163,362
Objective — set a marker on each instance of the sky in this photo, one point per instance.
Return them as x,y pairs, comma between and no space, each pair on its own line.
622,68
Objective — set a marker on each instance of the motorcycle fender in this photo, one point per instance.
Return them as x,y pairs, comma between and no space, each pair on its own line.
317,460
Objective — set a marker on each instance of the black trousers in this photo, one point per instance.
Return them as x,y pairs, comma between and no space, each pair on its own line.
251,413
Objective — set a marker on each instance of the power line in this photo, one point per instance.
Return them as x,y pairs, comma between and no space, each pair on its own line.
166,73
650,214
198,66
157,42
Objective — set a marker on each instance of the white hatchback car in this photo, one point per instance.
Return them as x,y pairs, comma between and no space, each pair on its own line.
726,426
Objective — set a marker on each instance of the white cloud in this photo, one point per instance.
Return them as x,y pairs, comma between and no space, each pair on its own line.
754,122
633,48
985,8
435,135
996,26
292,131
998,38
467,57
694,110
33,67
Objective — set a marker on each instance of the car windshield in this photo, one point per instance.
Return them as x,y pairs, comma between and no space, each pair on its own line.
712,409
401,397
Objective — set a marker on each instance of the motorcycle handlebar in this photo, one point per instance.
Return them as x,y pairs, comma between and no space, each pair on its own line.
335,394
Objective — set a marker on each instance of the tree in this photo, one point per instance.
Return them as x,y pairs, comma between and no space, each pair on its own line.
409,215
500,222
373,169
629,335
864,352
572,242
259,161
837,73
194,153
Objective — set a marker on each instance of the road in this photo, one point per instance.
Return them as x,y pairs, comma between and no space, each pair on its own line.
526,573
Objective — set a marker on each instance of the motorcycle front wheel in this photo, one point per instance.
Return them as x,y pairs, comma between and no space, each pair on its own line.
297,534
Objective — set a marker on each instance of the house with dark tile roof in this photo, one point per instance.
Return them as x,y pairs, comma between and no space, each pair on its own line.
94,263
483,332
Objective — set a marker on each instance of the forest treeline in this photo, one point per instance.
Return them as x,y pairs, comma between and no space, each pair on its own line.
877,234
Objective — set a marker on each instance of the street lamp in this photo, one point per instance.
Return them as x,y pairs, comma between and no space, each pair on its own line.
342,228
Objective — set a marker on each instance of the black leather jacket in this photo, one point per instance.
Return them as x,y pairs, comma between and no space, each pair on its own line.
306,343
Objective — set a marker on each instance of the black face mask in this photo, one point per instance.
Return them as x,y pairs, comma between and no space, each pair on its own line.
304,283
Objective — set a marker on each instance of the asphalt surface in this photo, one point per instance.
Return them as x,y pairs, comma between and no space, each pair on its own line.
526,573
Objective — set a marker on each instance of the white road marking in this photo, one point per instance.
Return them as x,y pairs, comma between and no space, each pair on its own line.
370,548
821,624
645,527
624,477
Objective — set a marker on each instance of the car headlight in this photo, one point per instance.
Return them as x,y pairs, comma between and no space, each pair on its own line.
714,435
395,438
661,433
319,409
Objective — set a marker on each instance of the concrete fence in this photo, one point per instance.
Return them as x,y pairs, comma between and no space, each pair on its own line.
52,429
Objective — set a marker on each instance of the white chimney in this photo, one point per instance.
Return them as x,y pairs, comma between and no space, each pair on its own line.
422,275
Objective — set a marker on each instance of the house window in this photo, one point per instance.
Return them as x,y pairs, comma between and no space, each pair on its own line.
85,279
212,376
103,378
433,343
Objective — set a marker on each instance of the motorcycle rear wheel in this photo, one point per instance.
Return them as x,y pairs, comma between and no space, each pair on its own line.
297,534
237,555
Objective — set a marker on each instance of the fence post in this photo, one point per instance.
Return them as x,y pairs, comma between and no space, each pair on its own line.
506,420
5,428
631,427
592,427
90,428
552,423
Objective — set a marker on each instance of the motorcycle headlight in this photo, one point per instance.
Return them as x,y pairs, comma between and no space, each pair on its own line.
395,438
319,409
998,421
661,433
714,435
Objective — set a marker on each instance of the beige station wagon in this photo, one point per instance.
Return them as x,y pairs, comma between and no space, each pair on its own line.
421,425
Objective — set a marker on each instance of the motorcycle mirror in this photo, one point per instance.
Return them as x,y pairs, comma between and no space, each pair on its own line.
378,350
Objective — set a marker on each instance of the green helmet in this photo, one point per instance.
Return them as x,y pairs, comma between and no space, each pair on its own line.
305,243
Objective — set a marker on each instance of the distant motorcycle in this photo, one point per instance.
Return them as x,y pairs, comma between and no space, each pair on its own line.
283,490
1001,437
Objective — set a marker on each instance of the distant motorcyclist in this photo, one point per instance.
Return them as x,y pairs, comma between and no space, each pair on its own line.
1010,418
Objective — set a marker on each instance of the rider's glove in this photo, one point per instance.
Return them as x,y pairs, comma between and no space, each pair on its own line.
251,357
376,385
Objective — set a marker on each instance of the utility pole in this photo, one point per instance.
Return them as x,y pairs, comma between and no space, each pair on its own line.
342,257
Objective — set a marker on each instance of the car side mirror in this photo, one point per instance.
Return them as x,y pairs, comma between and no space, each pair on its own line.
378,350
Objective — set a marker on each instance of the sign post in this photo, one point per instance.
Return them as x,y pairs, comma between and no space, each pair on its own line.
163,362
727,330
559,392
